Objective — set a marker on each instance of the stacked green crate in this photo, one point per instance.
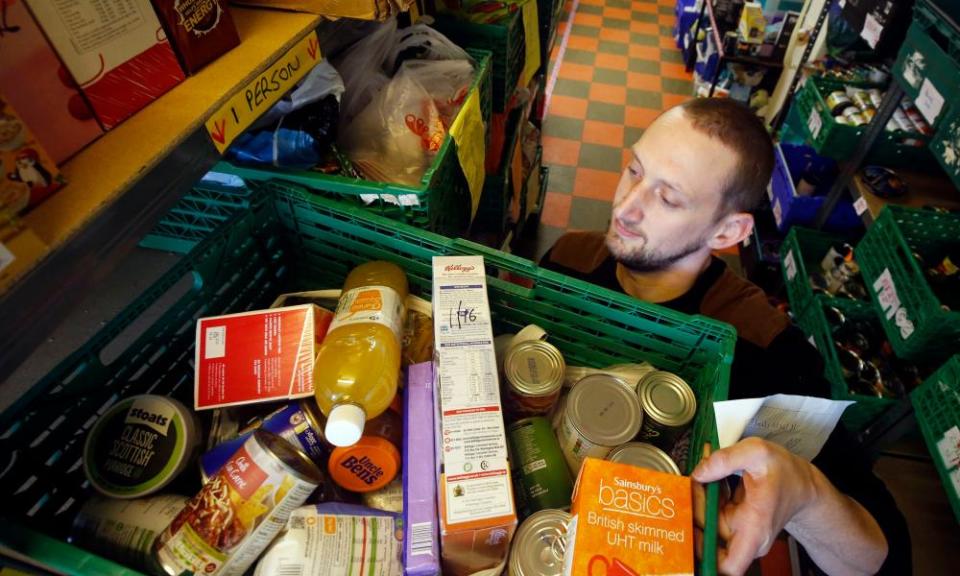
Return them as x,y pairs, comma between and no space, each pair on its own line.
937,407
298,240
196,216
442,200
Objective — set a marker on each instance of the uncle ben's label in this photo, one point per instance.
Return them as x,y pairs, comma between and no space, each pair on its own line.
629,521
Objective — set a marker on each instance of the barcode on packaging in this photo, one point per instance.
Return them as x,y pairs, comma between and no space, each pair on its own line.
290,569
421,538
215,342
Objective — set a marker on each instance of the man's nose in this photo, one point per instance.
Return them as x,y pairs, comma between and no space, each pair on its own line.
633,206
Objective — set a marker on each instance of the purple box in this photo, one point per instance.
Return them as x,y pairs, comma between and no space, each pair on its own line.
421,548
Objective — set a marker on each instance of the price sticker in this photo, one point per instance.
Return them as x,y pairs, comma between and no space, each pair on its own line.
815,123
790,266
860,206
930,101
872,29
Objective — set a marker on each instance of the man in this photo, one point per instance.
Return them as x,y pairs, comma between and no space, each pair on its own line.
695,175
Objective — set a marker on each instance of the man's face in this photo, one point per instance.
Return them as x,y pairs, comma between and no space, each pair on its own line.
669,195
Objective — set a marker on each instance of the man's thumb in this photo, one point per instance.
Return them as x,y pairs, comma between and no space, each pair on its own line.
723,463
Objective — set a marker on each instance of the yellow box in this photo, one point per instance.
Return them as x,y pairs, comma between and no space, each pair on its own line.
629,521
359,9
18,253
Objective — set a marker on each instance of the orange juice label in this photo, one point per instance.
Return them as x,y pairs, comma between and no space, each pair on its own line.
629,521
376,304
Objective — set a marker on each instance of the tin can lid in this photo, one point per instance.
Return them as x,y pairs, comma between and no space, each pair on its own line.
667,399
604,409
294,460
539,545
116,457
644,455
534,368
368,465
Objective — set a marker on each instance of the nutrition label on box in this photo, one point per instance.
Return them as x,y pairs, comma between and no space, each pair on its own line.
473,443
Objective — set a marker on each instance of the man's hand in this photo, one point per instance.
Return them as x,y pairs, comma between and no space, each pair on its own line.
781,491
776,485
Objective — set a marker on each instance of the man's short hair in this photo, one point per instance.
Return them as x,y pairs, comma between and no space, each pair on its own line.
740,130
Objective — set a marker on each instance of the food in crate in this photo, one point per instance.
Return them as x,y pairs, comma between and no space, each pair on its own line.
839,274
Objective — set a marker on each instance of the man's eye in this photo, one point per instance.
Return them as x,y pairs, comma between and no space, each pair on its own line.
634,171
666,201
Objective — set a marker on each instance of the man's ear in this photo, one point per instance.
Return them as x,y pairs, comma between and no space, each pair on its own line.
731,230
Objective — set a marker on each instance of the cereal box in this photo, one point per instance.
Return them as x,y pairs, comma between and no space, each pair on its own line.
629,521
28,174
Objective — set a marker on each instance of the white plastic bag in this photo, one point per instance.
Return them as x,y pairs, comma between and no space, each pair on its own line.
421,42
448,82
395,138
361,67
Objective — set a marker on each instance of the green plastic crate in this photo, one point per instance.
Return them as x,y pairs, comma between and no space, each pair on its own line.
929,60
196,216
936,404
888,246
289,242
814,324
440,203
506,40
945,146
830,138
800,256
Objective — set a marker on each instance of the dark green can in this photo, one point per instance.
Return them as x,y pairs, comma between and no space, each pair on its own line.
540,474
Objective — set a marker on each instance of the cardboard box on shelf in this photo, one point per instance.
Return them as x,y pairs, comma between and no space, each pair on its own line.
115,49
477,514
257,356
44,94
200,30
357,9
20,248
27,174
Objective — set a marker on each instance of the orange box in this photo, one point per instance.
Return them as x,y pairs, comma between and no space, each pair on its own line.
629,521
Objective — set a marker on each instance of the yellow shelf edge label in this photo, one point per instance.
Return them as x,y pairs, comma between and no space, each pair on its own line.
531,29
467,131
260,94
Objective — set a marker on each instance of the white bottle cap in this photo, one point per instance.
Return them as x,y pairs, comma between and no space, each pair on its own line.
345,424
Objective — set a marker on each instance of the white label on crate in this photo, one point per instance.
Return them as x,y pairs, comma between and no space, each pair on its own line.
790,265
216,340
955,480
777,212
812,342
913,67
815,123
6,256
949,448
871,30
930,101
405,200
860,206
889,301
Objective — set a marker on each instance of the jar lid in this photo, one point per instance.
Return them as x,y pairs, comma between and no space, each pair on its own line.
139,446
368,465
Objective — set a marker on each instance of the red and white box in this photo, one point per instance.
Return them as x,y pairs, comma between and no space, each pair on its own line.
116,50
258,356
41,90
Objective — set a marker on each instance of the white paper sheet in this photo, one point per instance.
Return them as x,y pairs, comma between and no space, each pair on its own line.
800,424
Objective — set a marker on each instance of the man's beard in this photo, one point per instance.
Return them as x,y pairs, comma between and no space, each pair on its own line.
643,260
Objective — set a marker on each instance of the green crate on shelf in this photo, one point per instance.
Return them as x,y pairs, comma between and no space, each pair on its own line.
936,404
800,256
814,324
929,61
830,138
441,202
292,241
915,323
506,40
196,216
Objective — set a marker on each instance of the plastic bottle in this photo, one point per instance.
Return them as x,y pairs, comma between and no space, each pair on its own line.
356,372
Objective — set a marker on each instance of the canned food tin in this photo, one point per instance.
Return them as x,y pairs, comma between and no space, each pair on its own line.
854,115
838,101
125,530
539,545
299,423
669,406
644,455
534,372
601,413
225,527
862,99
541,475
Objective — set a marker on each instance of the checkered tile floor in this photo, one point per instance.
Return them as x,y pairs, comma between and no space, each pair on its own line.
618,69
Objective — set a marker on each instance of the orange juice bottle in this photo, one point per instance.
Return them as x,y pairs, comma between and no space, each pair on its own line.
355,375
